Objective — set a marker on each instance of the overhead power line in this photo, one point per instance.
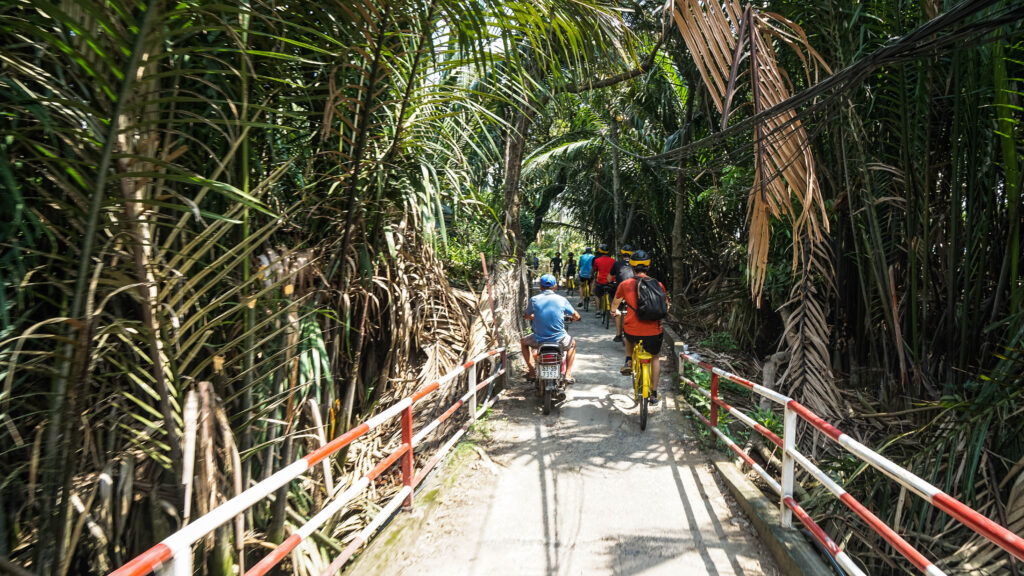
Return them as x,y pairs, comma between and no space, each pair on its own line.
944,33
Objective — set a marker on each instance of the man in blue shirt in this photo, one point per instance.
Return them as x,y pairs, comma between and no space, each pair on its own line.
547,311
586,263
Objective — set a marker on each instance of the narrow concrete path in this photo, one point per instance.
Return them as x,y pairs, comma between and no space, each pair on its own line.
581,491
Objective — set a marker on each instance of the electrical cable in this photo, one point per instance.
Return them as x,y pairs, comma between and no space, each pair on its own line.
924,41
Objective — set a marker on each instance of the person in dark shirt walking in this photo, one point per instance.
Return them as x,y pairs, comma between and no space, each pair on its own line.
570,274
556,265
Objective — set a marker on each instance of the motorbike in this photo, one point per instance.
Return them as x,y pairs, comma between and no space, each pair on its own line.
551,363
550,375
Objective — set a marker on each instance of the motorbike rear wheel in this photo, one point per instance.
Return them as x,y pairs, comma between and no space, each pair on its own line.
546,408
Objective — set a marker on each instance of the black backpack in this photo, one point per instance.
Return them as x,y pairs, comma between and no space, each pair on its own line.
650,299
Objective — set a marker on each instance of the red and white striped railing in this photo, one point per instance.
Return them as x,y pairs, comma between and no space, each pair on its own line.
173,555
793,411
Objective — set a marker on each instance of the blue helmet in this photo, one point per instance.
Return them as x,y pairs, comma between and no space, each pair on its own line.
547,281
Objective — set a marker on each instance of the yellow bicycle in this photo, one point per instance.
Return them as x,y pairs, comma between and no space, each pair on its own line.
570,284
641,380
586,294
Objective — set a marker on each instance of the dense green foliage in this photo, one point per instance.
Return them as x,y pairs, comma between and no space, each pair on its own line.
252,195
221,220
918,146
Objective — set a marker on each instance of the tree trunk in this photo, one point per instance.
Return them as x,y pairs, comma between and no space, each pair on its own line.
678,256
628,224
514,243
616,199
74,367
136,193
1011,172
249,359
275,532
682,201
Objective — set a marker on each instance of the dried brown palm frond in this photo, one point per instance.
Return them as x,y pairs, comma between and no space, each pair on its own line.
717,36
417,328
721,37
808,375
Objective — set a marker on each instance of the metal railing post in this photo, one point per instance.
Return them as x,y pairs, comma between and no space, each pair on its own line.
407,458
472,392
504,366
683,362
714,400
788,446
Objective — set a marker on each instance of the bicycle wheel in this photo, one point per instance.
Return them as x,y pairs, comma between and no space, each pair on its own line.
643,414
645,379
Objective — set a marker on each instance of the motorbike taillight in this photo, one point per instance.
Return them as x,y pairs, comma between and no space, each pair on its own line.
549,358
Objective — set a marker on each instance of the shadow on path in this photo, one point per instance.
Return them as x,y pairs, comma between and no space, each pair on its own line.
584,490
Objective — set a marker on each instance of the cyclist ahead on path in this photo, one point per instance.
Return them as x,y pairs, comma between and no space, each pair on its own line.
602,272
586,264
621,271
636,329
570,271
547,312
556,265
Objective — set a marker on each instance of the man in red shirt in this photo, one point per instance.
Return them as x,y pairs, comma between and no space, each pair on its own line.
602,271
635,329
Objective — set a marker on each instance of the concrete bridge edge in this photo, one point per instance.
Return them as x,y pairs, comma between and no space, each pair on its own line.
793,553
